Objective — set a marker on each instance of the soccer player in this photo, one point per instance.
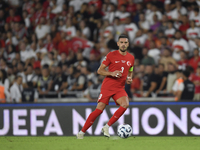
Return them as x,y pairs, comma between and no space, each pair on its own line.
120,64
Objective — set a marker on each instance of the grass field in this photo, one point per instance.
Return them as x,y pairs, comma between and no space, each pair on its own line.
99,143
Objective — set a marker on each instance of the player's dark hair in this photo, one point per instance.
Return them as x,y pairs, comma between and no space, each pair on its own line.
123,36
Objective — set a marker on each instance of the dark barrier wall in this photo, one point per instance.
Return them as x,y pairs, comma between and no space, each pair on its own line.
66,119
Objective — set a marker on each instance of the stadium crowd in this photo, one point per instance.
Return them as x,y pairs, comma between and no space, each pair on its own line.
53,46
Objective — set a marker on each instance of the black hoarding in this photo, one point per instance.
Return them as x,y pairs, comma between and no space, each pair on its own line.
66,119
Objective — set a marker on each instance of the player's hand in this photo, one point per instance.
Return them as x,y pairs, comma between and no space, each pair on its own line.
129,80
116,74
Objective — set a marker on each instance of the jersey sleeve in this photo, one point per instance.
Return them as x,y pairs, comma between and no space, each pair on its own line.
107,60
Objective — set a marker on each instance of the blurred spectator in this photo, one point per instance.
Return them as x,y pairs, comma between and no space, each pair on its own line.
149,82
147,60
44,83
170,31
11,40
122,14
194,62
85,31
131,29
63,46
42,29
196,17
58,80
187,94
179,10
193,31
82,14
56,9
108,29
30,76
29,94
69,29
154,13
89,74
184,26
94,63
13,17
156,24
140,38
10,53
110,13
118,28
41,50
196,81
163,44
93,90
163,79
20,71
16,90
135,85
70,80
171,76
154,52
179,44
143,24
183,62
166,59
80,81
49,43
4,83
178,86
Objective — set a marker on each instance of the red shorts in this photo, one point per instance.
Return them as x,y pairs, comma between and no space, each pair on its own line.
105,96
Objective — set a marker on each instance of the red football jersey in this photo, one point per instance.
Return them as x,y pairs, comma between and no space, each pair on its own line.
115,61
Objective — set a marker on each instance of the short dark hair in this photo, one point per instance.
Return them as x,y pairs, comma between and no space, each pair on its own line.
186,73
123,36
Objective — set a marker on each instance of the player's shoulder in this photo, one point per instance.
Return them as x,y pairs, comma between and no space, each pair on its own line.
113,52
130,55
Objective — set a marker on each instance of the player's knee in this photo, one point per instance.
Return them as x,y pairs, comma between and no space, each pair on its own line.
125,105
101,106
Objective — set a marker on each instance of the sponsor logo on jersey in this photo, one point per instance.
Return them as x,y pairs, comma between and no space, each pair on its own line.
104,58
123,61
128,63
117,61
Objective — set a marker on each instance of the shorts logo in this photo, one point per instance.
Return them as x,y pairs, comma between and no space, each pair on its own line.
100,96
128,63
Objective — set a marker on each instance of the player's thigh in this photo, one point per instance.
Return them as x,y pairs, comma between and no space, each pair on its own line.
105,96
121,98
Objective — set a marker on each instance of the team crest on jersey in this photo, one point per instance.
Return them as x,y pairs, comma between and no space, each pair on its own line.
128,63
123,61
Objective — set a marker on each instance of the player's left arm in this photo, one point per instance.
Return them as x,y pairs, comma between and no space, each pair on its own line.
130,76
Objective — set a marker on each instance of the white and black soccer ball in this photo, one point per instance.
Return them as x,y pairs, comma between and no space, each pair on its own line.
124,130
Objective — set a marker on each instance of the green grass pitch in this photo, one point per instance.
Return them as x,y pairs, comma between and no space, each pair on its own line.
99,143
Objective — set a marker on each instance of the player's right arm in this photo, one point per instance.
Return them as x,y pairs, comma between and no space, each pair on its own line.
102,71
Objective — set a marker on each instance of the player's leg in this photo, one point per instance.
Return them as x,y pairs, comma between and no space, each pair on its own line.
91,118
122,100
124,103
102,102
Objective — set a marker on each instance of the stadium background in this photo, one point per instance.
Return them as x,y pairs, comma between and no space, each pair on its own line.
57,46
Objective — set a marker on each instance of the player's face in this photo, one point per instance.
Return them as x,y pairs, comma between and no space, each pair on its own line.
123,44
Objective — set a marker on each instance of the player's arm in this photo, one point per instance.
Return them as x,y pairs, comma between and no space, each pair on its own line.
102,71
152,88
130,76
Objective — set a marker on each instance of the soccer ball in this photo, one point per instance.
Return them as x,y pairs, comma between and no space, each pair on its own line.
124,130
